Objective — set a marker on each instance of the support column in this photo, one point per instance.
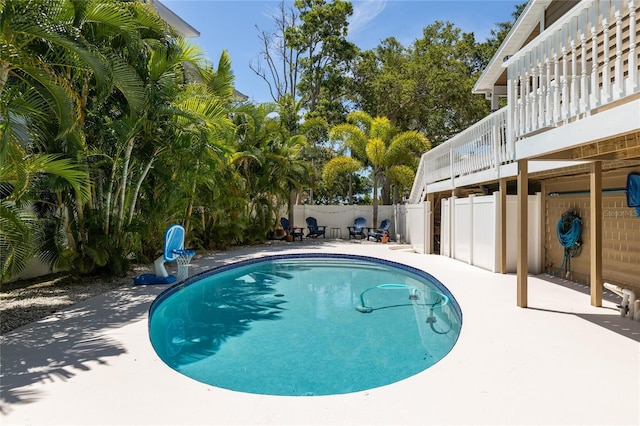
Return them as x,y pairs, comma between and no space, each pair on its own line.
543,225
595,233
431,198
502,227
523,228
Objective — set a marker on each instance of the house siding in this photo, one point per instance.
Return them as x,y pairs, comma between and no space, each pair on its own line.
556,10
621,228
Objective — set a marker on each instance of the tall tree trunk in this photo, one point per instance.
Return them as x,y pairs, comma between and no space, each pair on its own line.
143,176
290,204
396,195
123,183
189,212
385,193
82,238
66,223
4,74
107,207
313,181
375,199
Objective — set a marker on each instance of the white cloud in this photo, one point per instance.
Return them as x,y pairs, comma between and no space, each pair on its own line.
364,12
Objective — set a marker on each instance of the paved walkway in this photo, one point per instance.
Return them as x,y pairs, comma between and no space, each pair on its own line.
559,362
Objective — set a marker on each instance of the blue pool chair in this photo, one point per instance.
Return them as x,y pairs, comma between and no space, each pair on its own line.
358,228
314,229
383,229
294,231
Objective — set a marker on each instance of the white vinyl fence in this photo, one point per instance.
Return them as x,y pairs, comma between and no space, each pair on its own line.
470,233
417,223
410,223
340,217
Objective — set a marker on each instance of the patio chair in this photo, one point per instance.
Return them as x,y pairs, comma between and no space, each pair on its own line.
314,229
381,231
294,231
358,228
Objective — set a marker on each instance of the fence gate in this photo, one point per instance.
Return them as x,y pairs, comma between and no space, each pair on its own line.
418,226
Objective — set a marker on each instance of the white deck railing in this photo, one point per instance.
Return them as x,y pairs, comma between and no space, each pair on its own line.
480,147
586,60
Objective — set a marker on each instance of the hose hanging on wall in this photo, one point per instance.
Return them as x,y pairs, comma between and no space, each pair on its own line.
568,230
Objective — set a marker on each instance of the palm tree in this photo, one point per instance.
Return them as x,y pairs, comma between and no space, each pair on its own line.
37,105
109,104
270,160
373,143
38,46
108,73
21,233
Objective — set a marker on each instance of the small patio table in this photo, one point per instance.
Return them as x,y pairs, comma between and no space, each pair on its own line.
335,232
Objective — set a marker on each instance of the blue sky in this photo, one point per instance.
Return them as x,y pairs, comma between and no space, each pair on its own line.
231,25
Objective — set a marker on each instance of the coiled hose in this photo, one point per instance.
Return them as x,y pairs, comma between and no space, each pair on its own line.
568,230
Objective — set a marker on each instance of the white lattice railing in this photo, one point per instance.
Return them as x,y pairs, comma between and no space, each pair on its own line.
586,60
480,147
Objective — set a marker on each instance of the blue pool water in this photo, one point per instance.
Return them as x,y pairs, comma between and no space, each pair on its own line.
305,324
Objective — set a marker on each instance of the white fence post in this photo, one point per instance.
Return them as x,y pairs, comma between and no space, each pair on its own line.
426,213
445,227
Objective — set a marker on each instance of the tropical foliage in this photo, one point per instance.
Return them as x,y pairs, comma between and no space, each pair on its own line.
426,86
112,127
373,143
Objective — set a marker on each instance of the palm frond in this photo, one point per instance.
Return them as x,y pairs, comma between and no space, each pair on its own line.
406,148
18,238
52,90
338,166
222,79
31,167
402,175
111,15
51,33
352,137
376,151
128,82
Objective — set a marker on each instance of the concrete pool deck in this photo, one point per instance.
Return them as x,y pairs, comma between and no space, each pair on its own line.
560,361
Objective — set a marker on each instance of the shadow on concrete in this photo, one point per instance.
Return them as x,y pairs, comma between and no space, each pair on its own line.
64,344
582,288
624,326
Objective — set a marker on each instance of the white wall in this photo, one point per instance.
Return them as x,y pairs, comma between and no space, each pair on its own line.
417,222
485,232
445,227
342,216
462,229
469,231
34,268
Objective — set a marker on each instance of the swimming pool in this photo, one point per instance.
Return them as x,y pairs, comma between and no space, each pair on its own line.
305,324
